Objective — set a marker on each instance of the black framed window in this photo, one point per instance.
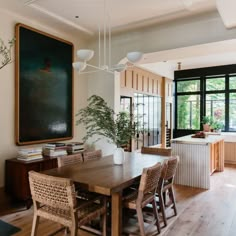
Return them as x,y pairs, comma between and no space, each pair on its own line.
205,92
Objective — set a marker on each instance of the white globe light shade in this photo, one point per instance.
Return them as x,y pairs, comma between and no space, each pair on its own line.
79,65
85,54
134,57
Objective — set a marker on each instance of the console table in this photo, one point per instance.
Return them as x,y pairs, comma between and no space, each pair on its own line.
16,176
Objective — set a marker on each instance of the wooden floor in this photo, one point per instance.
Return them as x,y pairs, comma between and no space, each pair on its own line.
200,212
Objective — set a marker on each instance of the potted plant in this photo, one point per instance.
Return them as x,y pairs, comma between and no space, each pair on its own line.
100,120
207,122
217,126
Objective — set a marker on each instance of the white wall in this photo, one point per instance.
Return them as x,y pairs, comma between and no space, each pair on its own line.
8,149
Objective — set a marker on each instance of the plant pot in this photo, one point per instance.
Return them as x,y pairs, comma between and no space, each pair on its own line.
206,128
118,156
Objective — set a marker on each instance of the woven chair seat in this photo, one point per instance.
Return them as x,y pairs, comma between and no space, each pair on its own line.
130,201
90,212
56,214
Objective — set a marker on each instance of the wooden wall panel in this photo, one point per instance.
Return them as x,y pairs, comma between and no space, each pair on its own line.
128,79
230,152
145,83
139,80
122,79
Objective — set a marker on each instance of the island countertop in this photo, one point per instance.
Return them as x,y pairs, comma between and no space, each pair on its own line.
210,139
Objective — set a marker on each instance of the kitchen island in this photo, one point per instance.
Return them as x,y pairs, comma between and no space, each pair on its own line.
198,159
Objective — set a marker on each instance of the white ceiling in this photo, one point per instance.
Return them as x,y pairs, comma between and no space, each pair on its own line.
126,14
120,13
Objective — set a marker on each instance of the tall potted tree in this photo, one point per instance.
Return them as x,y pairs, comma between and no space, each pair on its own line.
100,120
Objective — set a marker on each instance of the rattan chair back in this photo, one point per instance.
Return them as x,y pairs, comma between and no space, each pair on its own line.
171,167
93,155
52,191
156,151
149,181
69,160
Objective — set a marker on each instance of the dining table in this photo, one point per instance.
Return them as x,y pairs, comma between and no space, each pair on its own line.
104,177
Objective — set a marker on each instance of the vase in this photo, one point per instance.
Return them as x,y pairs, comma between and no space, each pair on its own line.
118,156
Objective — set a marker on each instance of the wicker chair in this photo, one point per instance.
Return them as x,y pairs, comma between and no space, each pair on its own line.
92,155
166,185
54,199
69,160
145,195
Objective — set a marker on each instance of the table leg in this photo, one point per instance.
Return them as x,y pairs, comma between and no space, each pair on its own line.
116,214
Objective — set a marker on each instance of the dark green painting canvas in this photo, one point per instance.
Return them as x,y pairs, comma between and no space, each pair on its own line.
44,87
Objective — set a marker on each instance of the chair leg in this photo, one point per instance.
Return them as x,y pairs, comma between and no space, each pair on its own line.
35,225
172,196
73,230
140,221
154,207
104,224
162,207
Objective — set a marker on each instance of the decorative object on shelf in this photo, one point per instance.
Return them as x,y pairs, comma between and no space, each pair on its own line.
207,122
99,119
84,55
5,52
200,134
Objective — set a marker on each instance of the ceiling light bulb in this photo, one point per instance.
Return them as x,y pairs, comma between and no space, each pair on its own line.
79,65
134,57
85,54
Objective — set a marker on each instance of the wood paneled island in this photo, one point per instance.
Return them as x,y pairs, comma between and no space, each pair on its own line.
198,159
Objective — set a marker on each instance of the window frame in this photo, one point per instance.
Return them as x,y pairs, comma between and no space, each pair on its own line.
203,74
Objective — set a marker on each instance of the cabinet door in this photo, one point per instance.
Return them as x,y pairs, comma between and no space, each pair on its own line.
48,164
23,190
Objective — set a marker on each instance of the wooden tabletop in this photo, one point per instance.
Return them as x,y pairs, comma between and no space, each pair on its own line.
103,176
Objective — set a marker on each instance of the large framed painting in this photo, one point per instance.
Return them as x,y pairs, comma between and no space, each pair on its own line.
44,87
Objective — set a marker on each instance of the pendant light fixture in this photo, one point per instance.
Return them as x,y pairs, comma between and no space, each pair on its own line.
85,55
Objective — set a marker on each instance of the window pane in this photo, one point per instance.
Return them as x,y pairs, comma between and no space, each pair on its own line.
215,84
188,112
215,106
188,86
232,82
232,112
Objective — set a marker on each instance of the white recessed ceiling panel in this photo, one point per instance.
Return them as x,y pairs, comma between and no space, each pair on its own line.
118,13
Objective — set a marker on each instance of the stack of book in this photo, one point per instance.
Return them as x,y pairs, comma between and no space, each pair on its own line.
29,154
75,147
55,149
